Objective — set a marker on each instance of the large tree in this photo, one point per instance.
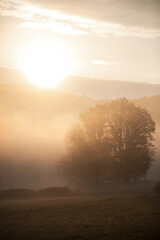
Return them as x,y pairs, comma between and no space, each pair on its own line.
111,141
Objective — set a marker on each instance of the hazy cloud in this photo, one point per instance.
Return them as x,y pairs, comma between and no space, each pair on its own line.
101,18
101,62
134,13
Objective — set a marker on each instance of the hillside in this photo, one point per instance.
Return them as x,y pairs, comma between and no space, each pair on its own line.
152,105
108,89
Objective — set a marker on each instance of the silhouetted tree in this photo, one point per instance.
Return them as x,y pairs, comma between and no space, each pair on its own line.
112,140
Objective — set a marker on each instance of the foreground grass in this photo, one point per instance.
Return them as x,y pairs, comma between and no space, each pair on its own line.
119,217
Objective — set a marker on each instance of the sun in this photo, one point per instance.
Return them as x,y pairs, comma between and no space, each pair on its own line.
46,63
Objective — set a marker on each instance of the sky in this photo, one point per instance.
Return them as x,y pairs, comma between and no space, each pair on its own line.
117,40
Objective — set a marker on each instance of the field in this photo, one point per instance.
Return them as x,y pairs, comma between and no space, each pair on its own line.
118,217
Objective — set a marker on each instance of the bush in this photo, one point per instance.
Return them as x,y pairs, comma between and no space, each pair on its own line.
16,194
50,192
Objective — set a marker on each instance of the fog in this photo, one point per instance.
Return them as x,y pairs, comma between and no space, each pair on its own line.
29,152
33,125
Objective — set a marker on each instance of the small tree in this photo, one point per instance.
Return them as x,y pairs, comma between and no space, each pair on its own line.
113,141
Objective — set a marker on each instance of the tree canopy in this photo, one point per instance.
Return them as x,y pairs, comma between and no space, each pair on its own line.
110,141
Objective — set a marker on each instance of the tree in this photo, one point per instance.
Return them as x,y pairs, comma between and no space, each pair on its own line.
111,141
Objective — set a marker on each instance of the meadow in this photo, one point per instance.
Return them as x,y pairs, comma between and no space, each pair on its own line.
120,216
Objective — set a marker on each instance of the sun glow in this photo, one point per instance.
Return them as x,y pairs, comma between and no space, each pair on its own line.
46,63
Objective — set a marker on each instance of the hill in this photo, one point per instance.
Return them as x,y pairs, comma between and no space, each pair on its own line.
108,89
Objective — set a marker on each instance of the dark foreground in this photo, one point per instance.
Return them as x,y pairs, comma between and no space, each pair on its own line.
119,217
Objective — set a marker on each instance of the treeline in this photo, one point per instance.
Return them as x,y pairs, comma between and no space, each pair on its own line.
50,192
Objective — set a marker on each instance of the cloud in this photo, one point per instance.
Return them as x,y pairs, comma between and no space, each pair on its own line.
36,17
99,18
139,13
101,62
55,27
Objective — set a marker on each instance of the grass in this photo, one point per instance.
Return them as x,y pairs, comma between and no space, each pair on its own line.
118,217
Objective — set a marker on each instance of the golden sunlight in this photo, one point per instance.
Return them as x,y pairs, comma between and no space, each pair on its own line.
46,63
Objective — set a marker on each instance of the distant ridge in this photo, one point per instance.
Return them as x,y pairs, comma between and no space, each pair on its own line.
91,87
108,89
